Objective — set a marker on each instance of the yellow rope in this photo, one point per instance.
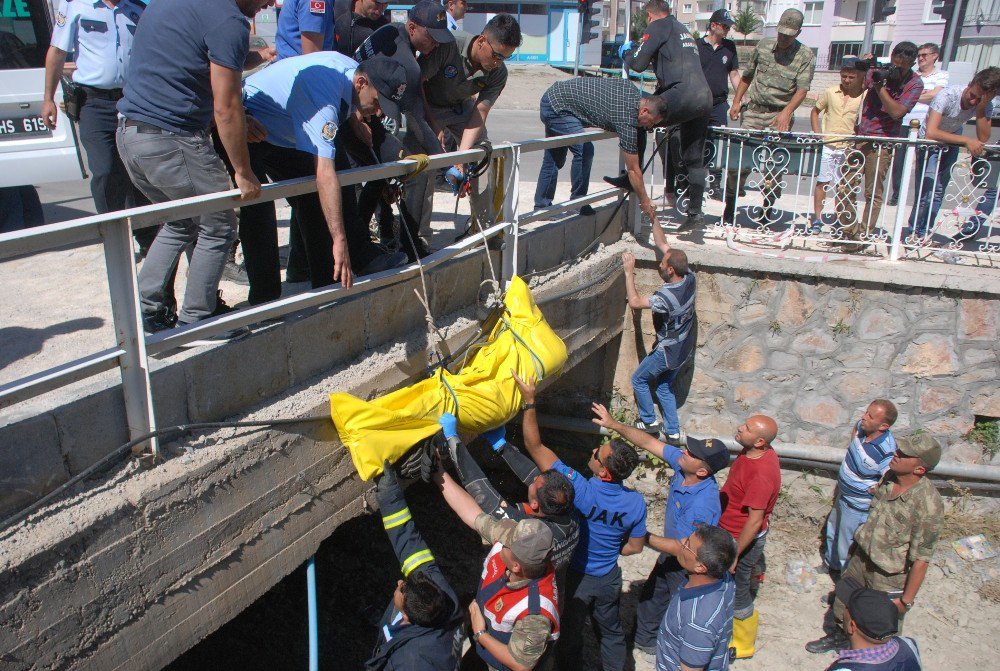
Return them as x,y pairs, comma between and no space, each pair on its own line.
423,160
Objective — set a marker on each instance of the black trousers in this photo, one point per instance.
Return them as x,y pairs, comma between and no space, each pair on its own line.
259,228
664,580
109,182
688,113
599,597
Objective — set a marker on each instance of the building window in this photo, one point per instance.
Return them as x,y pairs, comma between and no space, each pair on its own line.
813,13
687,9
929,15
838,50
860,11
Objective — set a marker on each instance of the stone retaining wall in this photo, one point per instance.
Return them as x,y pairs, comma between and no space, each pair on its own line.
812,352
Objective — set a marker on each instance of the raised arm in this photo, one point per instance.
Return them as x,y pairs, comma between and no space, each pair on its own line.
458,499
633,435
476,484
411,550
543,457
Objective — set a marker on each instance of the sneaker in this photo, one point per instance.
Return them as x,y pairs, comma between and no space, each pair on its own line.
652,429
423,249
225,336
620,182
587,211
384,262
834,642
675,439
817,227
161,320
235,272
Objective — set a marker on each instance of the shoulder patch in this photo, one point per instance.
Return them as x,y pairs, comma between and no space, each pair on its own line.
329,130
450,71
317,6
60,19
645,36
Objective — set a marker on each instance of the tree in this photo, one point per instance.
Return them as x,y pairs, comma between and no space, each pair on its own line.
746,22
638,27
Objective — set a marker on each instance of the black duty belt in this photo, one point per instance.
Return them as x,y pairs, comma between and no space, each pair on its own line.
105,94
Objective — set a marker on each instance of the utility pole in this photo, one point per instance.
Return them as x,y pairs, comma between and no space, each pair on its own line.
866,45
955,20
628,31
579,38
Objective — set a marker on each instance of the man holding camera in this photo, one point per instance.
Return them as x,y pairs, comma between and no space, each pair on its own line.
892,91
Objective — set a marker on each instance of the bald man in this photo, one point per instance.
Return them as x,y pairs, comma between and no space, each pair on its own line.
748,497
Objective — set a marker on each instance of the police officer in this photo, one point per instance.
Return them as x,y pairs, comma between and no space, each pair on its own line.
681,83
302,103
353,27
720,64
462,82
304,26
99,34
781,71
424,30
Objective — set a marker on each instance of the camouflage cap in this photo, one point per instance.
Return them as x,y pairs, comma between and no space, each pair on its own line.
790,22
922,446
530,541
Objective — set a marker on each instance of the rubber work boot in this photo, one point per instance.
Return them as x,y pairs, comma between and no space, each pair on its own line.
744,643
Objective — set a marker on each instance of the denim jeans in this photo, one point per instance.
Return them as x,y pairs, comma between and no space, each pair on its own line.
841,524
653,375
169,166
932,165
666,578
554,159
745,593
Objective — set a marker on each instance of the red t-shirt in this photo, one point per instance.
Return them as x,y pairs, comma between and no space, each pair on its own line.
752,483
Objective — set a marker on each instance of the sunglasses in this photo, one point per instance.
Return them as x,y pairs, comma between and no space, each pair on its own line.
596,454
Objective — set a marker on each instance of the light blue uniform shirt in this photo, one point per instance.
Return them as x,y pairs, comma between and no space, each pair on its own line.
99,36
302,101
303,16
688,506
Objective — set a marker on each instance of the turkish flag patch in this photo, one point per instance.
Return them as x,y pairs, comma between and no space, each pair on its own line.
317,6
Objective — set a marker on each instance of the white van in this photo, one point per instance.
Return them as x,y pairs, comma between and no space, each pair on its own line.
29,152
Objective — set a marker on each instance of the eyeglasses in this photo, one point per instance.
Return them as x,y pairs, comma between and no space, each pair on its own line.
597,455
686,544
927,55
496,55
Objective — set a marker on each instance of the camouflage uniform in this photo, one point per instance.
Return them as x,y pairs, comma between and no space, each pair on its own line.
776,76
900,530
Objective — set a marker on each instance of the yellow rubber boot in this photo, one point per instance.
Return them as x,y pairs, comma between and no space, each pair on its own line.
744,640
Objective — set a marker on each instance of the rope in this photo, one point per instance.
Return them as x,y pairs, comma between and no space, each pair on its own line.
434,349
423,160
536,362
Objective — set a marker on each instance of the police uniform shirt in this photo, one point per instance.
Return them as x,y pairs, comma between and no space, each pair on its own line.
717,63
303,101
673,47
352,29
303,16
99,36
393,41
450,77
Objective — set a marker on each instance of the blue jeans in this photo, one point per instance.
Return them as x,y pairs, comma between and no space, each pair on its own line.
746,594
841,524
653,374
555,159
931,165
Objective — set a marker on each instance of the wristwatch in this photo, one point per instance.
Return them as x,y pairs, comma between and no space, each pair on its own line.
475,637
528,406
907,606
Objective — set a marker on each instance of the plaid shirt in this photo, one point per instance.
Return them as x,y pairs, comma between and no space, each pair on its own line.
874,120
876,655
611,104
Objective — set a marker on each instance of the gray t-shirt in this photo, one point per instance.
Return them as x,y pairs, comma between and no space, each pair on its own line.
948,103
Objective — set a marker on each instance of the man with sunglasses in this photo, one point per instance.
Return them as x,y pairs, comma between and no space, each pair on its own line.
422,625
692,501
462,83
698,623
613,523
893,548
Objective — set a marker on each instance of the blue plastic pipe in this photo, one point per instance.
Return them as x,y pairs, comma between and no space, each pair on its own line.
313,619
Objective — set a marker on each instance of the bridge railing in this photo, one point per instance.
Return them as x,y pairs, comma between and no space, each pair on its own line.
133,347
762,186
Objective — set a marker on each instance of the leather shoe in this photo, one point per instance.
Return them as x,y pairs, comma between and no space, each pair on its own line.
830,643
620,182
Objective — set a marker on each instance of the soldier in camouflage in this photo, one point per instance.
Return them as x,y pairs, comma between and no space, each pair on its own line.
894,547
780,71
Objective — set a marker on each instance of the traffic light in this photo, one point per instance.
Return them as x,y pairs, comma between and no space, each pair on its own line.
590,13
883,10
945,9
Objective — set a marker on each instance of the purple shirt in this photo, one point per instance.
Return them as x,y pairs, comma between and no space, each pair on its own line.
874,120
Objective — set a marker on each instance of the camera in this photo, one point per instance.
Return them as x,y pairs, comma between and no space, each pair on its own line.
880,73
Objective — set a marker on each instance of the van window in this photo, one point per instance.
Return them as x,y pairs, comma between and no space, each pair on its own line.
24,34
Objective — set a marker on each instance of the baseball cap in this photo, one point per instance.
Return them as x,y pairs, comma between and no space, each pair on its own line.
721,16
850,62
873,612
530,541
431,16
790,22
920,445
711,450
389,78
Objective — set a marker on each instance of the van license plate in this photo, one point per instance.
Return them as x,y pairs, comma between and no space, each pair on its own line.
29,126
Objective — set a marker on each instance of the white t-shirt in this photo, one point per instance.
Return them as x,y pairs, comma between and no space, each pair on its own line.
931,82
948,104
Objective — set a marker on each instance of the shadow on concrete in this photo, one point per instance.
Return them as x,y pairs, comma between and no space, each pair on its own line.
20,342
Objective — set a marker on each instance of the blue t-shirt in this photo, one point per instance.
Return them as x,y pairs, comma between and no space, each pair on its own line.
303,101
611,515
697,627
168,82
303,16
690,506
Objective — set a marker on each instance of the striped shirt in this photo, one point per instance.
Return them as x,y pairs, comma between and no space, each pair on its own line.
863,467
599,102
697,628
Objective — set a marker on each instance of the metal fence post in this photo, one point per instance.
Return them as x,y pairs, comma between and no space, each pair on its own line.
136,388
904,191
511,184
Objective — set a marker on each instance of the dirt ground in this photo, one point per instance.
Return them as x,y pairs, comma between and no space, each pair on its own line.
952,622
